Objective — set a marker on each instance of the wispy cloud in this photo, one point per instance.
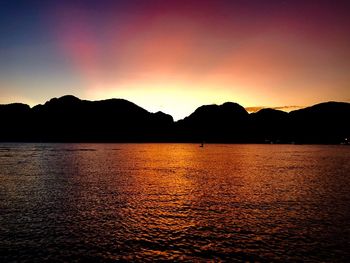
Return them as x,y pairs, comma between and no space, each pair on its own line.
286,108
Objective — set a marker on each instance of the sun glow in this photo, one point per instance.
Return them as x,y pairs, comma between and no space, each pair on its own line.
179,99
173,57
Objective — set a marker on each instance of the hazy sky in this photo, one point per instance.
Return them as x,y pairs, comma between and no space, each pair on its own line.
176,55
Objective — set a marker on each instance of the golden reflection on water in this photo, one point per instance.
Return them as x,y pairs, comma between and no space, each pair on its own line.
178,201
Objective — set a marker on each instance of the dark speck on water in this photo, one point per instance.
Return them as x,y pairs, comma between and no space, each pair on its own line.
178,202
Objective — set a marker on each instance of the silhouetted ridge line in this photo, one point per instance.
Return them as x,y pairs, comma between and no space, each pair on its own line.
70,119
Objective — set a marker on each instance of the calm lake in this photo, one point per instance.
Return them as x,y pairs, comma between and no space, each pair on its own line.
139,202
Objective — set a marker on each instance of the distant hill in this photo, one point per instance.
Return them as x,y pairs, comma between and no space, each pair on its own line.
327,122
69,119
219,123
269,125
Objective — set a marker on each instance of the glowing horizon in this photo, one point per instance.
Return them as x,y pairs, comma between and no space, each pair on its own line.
175,56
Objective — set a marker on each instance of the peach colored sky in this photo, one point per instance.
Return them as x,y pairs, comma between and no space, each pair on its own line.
174,56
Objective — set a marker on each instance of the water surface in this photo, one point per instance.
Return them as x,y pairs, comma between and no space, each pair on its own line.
107,202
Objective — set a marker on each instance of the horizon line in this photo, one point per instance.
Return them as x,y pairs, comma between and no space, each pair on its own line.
249,109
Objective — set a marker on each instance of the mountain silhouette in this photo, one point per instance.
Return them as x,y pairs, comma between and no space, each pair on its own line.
327,122
15,120
219,123
70,119
269,125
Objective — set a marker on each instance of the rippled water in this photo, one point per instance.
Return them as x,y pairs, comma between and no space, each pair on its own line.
106,202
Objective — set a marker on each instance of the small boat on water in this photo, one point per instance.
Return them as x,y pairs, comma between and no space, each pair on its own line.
202,145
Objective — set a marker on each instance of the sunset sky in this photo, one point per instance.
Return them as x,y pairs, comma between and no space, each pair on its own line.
174,56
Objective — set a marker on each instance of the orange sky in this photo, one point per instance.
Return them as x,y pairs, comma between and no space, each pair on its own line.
174,56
